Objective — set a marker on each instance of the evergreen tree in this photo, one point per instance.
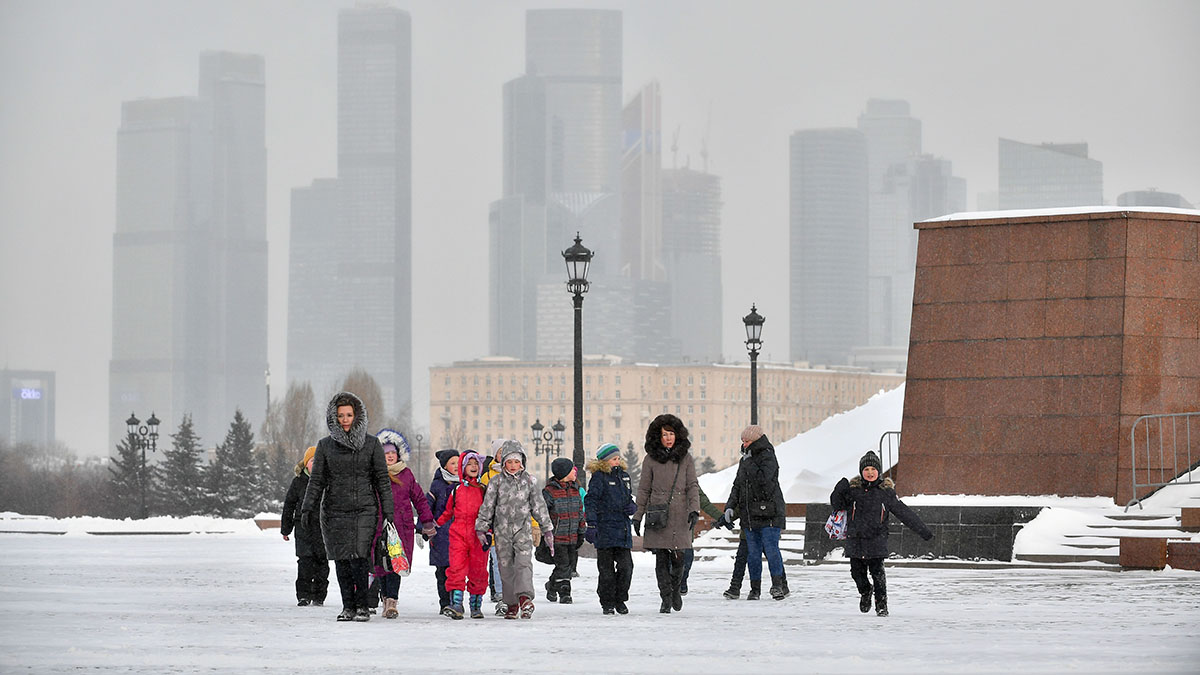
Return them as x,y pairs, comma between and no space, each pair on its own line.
707,465
129,484
237,481
181,474
634,466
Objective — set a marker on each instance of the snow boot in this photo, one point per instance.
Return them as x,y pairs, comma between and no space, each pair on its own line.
864,602
755,589
551,594
734,591
526,607
363,614
779,589
346,615
303,602
610,610
456,605
666,603
621,608
881,606
476,606
502,608
677,600
318,603
389,608
564,598
512,611
683,588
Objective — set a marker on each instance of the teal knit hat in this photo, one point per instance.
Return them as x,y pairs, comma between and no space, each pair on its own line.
607,450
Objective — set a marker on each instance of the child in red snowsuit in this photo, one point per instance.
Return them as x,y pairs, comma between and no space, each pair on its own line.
468,557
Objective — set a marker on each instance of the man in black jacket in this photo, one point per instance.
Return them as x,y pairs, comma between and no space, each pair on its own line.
758,499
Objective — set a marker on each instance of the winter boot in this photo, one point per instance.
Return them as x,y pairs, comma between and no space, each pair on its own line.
476,606
683,587
526,607
779,589
346,615
755,589
389,608
864,602
621,608
512,611
881,606
564,598
303,602
551,594
677,600
609,610
318,603
502,608
456,605
666,603
734,591
363,614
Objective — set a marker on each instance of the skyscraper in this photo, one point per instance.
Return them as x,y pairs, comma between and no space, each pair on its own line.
1153,197
1048,175
828,244
692,256
373,257
189,253
312,342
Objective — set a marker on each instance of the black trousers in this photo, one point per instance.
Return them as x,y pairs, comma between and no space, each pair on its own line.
668,570
565,558
443,594
312,578
739,564
616,573
858,571
352,577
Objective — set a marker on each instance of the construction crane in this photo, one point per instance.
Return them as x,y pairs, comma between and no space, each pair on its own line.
704,138
675,147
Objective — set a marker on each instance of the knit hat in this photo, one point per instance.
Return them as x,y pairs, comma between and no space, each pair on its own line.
607,450
560,467
870,459
444,456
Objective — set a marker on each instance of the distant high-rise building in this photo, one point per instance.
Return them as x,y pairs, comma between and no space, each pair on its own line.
692,256
1153,197
1048,175
312,343
190,253
828,244
562,173
27,407
642,187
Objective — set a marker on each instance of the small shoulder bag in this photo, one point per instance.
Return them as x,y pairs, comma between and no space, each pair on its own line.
656,514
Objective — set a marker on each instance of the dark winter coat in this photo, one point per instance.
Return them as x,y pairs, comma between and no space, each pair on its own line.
566,511
756,494
654,487
350,485
439,495
309,543
867,507
409,500
608,503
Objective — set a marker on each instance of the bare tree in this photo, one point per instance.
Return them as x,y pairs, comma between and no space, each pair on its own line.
360,383
456,437
292,425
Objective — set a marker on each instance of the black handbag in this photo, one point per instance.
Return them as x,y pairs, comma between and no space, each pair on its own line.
656,514
762,509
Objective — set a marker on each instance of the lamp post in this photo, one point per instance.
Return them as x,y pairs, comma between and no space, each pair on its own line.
754,323
546,441
578,259
420,462
142,436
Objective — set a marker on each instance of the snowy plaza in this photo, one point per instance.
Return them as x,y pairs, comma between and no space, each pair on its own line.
222,601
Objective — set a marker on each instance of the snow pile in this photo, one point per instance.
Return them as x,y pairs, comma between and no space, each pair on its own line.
812,463
18,523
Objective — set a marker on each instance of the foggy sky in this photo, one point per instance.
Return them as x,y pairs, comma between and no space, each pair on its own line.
1121,76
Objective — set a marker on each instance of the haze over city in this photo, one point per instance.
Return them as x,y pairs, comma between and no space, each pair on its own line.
736,79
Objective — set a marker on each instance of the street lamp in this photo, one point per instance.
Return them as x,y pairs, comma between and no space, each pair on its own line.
578,259
546,441
754,323
420,462
142,436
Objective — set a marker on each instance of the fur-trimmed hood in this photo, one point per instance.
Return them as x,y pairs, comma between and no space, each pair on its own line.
654,446
602,466
886,483
512,448
357,436
396,439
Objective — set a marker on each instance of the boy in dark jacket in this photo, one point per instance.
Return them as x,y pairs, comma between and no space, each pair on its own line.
609,503
443,483
312,567
567,526
868,502
758,499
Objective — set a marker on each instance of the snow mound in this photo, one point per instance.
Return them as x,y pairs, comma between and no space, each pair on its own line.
18,523
812,463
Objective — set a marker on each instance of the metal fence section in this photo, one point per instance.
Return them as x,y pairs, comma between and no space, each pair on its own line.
1169,436
889,451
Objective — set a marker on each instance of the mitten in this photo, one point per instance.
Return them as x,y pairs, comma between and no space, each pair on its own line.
630,508
693,518
590,535
637,526
729,517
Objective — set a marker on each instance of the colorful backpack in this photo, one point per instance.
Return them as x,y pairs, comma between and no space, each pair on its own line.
836,525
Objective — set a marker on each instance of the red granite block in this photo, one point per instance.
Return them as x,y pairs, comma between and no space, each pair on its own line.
1025,318
1143,355
1066,317
1162,278
1026,280
1026,242
1103,316
926,398
1143,553
1105,277
1168,317
1171,239
1066,278
1100,394
1098,434
964,397
925,358
1107,237
935,247
984,358
1067,241
1189,518
1141,394
1020,357
1183,555
985,245
921,328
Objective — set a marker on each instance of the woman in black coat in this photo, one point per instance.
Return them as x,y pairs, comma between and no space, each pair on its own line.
350,485
868,501
312,567
756,495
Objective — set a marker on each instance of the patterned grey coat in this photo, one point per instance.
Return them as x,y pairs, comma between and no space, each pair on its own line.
510,501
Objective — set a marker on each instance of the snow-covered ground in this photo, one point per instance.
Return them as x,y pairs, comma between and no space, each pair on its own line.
225,603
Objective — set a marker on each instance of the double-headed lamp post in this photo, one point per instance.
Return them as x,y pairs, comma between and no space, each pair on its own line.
578,259
754,323
142,436
546,441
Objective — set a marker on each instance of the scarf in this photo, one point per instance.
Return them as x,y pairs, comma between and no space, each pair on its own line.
449,477
395,469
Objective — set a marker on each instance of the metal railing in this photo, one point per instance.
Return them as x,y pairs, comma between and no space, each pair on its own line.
890,440
1154,430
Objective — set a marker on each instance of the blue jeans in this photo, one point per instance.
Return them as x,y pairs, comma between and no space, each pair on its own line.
759,541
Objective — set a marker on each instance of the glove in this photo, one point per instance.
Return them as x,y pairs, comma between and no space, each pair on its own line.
927,536
721,522
590,535
484,540
693,518
729,517
630,509
428,530
637,526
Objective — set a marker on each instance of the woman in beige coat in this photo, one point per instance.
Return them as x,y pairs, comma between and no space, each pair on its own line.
668,478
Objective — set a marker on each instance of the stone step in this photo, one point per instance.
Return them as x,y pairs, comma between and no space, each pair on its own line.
1123,526
1140,516
1093,546
1062,558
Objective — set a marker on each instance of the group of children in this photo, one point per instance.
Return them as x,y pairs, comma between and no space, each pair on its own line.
485,508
